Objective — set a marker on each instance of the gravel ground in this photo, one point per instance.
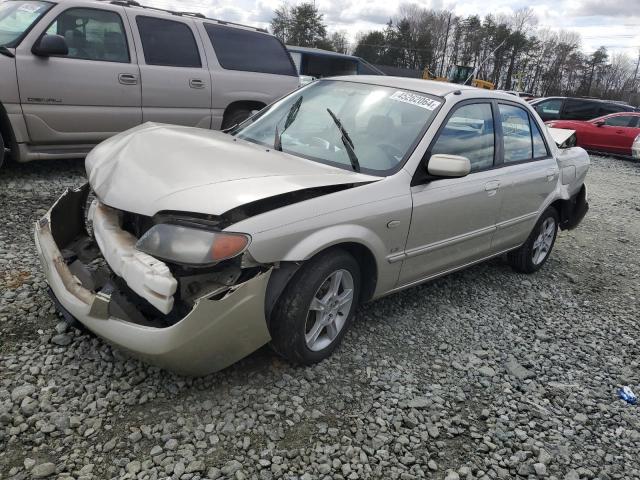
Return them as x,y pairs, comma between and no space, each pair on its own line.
483,374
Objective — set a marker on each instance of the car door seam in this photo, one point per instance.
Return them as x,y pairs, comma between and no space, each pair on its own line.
421,250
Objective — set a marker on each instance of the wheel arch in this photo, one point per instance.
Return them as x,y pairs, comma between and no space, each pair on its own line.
242,105
363,255
6,131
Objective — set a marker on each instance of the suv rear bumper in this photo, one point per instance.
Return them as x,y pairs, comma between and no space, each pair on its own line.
216,332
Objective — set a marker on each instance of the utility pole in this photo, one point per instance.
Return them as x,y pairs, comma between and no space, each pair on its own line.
634,84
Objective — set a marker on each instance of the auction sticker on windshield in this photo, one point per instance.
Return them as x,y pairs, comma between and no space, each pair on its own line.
421,101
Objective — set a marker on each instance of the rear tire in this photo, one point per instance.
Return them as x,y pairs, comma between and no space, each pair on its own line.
316,308
2,152
235,117
535,252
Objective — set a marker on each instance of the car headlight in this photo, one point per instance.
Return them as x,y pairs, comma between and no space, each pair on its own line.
191,246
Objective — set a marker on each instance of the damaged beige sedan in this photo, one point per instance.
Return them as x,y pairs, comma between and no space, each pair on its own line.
192,248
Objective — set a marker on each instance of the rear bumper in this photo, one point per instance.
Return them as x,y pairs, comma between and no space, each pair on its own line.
574,211
214,334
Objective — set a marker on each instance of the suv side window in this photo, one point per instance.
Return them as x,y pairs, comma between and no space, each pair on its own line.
621,121
576,109
249,51
469,132
168,43
549,109
516,132
92,34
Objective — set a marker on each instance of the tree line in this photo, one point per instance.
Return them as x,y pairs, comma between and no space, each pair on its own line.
510,51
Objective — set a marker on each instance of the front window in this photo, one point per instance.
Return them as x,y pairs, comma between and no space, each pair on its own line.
92,34
333,121
17,17
469,132
621,121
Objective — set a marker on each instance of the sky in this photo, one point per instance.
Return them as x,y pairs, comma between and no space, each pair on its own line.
612,23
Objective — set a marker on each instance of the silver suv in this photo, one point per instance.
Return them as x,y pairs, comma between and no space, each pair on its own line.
75,72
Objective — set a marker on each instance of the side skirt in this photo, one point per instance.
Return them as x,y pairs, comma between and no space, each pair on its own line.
443,273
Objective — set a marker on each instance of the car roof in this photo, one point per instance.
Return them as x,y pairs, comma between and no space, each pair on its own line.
179,13
416,84
585,99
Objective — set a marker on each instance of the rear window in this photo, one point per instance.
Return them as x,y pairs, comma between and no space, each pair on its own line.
580,109
168,43
245,50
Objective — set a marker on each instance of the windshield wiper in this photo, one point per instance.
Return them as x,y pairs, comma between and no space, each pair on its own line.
6,52
346,141
291,116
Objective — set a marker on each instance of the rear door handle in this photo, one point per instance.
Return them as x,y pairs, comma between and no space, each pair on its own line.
128,79
196,83
551,174
492,187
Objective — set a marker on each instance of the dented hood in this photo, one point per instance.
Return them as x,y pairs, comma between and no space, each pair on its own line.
158,167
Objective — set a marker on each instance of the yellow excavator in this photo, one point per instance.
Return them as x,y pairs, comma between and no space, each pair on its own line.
460,74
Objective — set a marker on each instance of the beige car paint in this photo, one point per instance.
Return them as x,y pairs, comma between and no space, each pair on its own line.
69,101
168,94
223,172
414,233
215,334
66,106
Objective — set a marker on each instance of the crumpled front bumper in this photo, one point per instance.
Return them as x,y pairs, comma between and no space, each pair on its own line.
216,333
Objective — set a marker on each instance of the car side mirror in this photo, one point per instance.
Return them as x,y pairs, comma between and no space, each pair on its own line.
443,165
601,123
50,45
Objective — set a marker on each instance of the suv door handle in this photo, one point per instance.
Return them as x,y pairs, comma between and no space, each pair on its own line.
196,83
551,174
128,79
492,187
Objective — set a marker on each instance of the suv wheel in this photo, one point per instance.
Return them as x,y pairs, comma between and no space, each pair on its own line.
235,117
531,256
316,308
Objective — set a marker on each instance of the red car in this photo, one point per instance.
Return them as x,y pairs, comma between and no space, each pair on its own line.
618,133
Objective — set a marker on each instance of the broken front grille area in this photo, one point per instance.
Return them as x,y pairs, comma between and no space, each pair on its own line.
87,263
136,224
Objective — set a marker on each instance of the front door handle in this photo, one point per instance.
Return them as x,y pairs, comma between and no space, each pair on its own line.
492,187
196,83
128,79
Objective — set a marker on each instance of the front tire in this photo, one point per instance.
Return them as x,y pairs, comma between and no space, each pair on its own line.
316,308
535,252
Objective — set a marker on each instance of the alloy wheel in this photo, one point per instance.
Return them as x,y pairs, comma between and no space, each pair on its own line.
544,241
329,310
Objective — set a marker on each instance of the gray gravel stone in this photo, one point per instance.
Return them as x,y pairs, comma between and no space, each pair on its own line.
43,470
484,374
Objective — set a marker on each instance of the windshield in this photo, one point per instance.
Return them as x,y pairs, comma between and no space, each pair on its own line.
380,125
17,17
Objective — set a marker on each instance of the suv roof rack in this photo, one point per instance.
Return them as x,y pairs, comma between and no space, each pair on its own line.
134,3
